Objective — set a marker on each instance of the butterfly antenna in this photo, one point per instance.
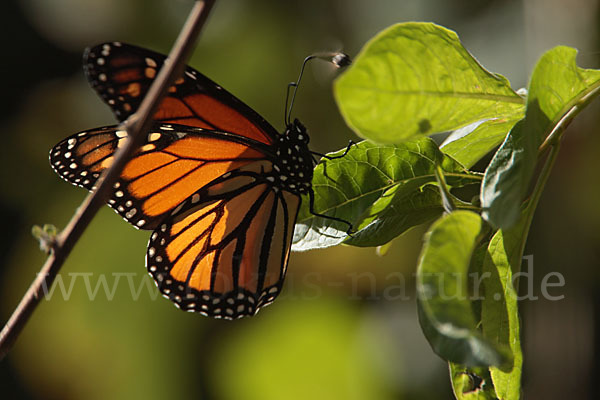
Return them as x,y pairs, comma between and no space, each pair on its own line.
336,58
295,85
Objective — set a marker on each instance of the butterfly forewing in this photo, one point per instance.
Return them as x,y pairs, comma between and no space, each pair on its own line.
80,158
170,166
122,74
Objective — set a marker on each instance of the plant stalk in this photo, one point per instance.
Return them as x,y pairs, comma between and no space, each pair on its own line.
136,126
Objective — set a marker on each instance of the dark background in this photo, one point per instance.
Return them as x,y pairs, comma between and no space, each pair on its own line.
345,325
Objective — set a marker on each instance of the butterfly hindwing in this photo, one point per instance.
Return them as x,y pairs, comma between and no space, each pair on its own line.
224,253
122,74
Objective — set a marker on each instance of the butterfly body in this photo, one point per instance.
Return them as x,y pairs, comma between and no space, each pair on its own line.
217,185
294,166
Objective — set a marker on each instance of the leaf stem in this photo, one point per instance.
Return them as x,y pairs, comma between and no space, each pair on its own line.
565,120
476,176
447,202
539,188
137,125
470,207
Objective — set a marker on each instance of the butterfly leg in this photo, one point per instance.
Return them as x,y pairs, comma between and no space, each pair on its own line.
350,144
311,207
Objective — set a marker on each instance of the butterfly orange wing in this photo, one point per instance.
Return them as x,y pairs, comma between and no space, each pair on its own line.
122,74
205,180
224,254
169,168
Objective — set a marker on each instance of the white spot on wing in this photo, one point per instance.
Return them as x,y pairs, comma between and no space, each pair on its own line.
150,62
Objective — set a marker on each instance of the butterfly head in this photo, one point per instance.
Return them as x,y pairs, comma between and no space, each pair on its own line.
297,132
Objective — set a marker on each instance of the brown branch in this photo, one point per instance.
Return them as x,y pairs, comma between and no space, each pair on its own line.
136,125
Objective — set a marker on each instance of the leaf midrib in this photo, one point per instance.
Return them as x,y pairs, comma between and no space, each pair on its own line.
386,187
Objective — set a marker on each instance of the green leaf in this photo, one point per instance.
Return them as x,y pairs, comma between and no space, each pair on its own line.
397,210
416,79
471,383
470,148
507,177
557,85
499,310
445,310
558,89
381,190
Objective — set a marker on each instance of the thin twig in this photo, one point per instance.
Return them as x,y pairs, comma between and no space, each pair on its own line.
137,125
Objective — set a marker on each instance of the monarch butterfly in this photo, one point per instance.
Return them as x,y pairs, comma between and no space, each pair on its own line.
219,187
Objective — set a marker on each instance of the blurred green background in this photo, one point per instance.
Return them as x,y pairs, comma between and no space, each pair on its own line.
345,325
